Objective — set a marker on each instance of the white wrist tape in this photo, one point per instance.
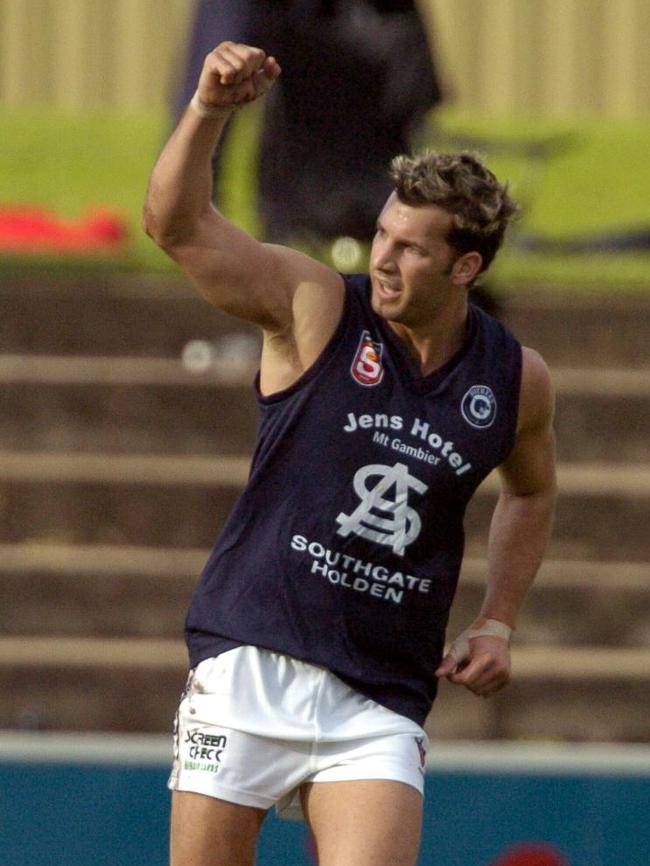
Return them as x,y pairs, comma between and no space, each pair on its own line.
205,110
490,628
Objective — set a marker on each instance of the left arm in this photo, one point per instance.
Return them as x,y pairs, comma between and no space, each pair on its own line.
519,533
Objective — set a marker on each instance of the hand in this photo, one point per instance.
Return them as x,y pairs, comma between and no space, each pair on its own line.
235,74
485,670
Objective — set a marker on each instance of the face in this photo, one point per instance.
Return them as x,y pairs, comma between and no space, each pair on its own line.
413,270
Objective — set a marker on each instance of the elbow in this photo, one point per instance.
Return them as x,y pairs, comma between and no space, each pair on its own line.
163,232
541,497
161,216
157,215
154,227
171,226
149,223
539,503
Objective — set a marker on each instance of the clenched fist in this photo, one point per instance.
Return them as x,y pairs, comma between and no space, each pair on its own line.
233,75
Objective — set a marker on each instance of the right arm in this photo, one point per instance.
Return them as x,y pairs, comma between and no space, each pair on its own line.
296,300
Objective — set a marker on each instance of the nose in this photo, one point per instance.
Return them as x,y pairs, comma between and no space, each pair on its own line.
383,255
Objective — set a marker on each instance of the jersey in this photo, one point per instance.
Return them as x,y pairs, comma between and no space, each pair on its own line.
345,547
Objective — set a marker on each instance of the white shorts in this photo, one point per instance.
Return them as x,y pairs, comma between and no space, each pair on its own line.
254,725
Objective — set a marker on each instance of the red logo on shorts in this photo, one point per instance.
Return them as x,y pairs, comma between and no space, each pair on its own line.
367,368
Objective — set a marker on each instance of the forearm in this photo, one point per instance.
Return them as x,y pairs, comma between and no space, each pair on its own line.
181,184
178,211
518,537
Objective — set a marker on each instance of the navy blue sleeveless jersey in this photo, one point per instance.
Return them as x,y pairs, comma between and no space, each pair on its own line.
345,547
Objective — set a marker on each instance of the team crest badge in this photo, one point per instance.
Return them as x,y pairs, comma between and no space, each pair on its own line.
479,406
367,368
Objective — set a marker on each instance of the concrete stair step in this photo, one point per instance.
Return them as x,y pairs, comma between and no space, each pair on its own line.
120,370
116,469
158,408
110,591
155,405
605,331
60,369
65,696
578,706
602,413
106,315
558,663
183,501
601,514
97,590
155,315
603,427
574,603
589,693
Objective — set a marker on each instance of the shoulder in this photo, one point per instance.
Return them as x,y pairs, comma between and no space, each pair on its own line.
313,295
537,394
530,466
493,334
293,342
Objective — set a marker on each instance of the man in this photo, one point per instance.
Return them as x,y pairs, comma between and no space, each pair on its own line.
316,632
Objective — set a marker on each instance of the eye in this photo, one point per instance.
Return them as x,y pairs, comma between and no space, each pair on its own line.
417,251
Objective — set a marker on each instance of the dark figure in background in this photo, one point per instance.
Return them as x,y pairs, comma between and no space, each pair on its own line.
359,75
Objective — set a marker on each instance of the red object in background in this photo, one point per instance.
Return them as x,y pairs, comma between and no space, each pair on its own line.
34,229
531,854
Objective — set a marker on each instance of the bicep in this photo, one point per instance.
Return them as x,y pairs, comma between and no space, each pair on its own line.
530,466
235,272
296,300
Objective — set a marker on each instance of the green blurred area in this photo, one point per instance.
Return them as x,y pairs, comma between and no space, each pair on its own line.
572,178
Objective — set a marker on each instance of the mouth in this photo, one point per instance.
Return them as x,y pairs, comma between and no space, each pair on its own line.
389,290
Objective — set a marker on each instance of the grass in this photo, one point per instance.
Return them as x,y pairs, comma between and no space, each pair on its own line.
594,176
71,164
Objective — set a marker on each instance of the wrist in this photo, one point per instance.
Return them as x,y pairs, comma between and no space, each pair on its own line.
490,627
501,613
460,649
204,109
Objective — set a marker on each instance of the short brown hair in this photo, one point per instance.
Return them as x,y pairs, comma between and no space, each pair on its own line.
464,186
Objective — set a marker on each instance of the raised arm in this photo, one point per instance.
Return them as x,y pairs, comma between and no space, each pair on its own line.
295,299
519,533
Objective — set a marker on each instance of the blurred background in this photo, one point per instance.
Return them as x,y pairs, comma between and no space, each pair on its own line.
127,421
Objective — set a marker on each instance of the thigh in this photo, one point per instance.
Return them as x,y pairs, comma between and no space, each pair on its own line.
206,831
364,823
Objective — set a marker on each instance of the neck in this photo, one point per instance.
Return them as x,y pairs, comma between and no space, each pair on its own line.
436,342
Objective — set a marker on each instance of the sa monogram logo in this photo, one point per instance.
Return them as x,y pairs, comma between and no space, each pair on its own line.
366,367
479,406
380,517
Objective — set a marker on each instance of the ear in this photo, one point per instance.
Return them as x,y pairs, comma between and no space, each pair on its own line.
466,268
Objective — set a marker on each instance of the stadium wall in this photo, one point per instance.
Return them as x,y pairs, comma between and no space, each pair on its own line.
93,800
548,57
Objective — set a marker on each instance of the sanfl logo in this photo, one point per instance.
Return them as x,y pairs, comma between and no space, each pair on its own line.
367,368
